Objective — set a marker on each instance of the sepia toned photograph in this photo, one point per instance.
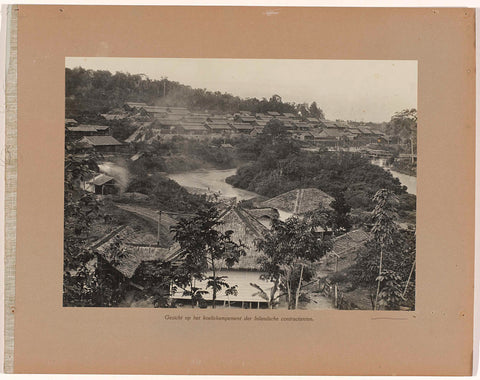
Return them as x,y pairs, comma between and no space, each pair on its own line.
240,183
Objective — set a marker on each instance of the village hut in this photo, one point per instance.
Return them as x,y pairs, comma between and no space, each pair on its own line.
124,250
103,144
246,229
78,131
243,128
273,113
130,106
70,122
102,184
218,126
191,128
345,245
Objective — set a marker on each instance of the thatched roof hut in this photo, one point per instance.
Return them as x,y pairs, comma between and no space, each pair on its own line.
246,229
125,250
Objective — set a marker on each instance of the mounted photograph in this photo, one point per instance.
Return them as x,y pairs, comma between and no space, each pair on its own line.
240,183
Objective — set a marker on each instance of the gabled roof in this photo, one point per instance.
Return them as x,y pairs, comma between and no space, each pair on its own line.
263,116
113,116
328,123
354,131
71,121
313,119
342,124
303,134
136,104
350,241
87,128
247,119
195,119
273,113
178,110
133,252
215,118
365,130
193,126
333,132
223,125
100,141
247,229
242,126
290,115
266,212
155,109
300,201
100,180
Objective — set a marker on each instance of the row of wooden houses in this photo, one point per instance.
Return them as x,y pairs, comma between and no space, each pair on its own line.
179,120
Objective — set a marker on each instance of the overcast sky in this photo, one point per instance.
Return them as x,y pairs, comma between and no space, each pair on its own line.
343,89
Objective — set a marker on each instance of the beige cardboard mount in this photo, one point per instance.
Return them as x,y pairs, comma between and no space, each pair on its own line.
435,339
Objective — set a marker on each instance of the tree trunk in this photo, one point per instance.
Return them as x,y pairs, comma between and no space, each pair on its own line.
379,274
409,277
297,295
272,294
214,292
289,294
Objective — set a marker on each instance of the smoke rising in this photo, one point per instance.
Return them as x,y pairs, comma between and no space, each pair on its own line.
120,173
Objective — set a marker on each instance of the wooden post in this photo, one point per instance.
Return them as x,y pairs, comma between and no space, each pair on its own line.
159,223
411,142
409,277
336,295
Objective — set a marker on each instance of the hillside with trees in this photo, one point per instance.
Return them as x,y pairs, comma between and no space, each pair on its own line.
98,91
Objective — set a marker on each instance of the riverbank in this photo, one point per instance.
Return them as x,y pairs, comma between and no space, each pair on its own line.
211,181
404,167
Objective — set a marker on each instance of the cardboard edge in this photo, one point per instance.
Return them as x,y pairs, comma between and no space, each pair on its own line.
10,183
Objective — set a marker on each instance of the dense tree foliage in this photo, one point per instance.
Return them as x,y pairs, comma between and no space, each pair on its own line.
98,91
85,283
289,251
403,124
281,166
165,194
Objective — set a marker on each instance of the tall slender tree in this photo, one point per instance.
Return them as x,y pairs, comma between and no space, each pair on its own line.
384,228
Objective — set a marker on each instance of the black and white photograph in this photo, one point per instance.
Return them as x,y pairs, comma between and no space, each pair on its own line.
240,183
